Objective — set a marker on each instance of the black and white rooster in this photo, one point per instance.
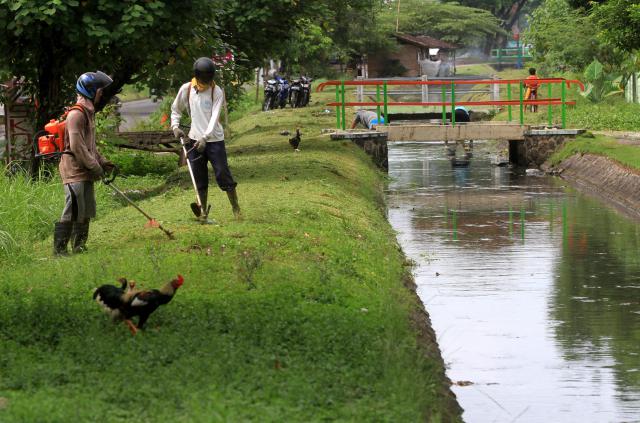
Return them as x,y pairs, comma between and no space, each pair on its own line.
125,302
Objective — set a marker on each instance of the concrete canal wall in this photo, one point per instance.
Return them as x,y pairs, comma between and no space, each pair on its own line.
604,178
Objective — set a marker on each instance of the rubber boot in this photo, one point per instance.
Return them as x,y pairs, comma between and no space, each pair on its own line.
203,194
61,236
79,236
233,199
204,218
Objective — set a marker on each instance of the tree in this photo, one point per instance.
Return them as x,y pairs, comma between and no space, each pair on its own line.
336,29
52,44
508,13
447,21
619,23
562,37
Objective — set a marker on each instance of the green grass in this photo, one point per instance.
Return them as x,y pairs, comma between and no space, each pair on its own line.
627,155
296,313
475,69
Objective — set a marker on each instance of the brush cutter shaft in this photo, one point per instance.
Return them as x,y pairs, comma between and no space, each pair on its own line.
116,189
193,179
110,184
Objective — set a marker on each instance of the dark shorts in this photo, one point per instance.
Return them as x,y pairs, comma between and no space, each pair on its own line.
80,202
216,153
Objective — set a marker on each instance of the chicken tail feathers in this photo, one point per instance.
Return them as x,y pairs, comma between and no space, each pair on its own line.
109,297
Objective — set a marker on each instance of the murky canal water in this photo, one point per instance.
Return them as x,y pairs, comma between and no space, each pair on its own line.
533,289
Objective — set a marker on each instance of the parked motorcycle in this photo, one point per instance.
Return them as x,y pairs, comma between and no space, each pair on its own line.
283,92
270,95
305,91
295,93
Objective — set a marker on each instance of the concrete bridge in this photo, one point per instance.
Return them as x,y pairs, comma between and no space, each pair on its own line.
528,145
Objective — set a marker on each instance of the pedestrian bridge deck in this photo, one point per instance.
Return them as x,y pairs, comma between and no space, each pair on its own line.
462,131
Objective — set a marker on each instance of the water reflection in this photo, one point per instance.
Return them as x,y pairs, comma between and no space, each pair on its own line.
533,289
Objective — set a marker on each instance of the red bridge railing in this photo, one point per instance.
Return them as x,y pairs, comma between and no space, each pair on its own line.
449,88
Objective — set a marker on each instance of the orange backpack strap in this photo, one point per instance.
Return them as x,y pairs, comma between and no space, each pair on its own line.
76,106
80,107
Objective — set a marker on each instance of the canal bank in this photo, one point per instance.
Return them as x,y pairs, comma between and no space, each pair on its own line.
603,167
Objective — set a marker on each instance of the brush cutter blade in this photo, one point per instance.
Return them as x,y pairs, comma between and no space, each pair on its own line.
152,223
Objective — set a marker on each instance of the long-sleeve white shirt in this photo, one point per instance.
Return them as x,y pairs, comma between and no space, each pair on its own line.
205,114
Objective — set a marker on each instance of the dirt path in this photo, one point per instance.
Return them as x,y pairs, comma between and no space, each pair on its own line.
624,137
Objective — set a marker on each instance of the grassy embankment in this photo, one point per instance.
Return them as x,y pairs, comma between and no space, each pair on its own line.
625,154
296,313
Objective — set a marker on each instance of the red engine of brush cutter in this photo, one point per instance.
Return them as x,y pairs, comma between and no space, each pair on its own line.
52,143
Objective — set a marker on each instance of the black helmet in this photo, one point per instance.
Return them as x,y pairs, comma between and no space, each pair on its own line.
90,82
204,70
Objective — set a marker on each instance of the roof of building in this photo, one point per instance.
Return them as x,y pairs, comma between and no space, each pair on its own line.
424,41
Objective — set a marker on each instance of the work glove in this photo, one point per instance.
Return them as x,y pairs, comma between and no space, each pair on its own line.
201,144
108,167
97,172
178,133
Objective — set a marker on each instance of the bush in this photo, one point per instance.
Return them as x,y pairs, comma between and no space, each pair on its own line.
142,163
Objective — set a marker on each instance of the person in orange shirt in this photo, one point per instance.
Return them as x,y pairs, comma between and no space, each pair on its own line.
532,84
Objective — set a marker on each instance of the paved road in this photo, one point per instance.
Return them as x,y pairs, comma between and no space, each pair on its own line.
135,111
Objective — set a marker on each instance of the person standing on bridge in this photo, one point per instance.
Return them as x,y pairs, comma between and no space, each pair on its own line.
82,166
203,100
532,84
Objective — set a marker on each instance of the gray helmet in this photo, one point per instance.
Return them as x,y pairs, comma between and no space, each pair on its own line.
90,82
204,70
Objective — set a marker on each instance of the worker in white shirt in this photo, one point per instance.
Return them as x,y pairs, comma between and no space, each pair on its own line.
203,100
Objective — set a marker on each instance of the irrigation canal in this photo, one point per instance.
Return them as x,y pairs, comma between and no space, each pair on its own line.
533,289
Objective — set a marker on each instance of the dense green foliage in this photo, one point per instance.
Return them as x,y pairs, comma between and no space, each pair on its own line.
599,83
296,313
612,114
562,37
52,44
619,23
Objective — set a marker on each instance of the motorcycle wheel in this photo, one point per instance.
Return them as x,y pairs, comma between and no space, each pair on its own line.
266,104
293,100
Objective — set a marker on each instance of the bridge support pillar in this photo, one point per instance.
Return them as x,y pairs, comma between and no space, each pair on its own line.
538,146
374,143
517,155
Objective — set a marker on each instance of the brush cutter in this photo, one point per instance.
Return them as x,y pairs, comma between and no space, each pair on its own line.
151,222
197,207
